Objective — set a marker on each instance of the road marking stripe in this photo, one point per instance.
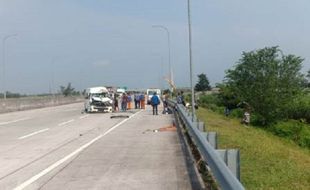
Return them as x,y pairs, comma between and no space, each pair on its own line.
14,121
82,117
34,133
66,122
68,110
59,162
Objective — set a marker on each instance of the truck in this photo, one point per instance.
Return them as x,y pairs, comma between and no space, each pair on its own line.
98,99
150,92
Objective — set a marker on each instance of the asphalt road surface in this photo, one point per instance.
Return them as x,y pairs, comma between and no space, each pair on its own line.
61,148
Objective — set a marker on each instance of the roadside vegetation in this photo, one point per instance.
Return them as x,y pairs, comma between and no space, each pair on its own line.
69,90
270,86
275,145
267,161
295,130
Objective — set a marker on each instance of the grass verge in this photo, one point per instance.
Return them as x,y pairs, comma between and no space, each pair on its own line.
267,161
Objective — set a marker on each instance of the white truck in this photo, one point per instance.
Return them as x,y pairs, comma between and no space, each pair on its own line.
98,100
150,92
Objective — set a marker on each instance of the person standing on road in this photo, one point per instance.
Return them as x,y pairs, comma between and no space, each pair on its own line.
165,103
142,101
137,101
116,103
155,102
129,99
180,98
124,102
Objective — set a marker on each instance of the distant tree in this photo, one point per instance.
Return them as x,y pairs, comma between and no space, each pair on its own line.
227,96
67,91
203,83
14,95
307,80
267,81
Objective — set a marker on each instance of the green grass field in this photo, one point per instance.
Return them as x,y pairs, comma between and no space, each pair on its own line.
267,161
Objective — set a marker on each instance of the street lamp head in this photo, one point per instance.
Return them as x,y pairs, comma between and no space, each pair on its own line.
9,36
161,26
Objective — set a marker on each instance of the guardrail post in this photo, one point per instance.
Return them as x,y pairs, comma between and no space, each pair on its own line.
212,139
231,157
201,126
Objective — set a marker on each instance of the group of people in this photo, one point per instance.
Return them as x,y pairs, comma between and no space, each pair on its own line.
126,100
139,100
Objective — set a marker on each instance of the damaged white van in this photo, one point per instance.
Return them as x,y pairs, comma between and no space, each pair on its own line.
98,100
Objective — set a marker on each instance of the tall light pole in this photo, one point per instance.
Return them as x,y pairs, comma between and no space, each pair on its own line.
169,53
3,56
190,57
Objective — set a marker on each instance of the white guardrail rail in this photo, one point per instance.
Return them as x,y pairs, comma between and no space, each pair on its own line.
224,165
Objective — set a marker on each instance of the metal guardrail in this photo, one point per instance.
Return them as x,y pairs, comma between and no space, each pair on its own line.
221,172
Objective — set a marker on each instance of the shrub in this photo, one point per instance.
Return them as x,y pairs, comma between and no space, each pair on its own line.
208,99
293,130
238,112
305,137
299,109
258,120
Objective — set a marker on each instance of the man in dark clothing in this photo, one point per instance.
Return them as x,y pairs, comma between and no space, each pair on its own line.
180,98
137,101
155,102
124,102
115,103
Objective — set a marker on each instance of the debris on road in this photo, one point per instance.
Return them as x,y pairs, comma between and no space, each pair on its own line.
168,128
171,128
119,116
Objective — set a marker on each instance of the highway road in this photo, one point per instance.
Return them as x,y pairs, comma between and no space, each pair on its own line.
61,148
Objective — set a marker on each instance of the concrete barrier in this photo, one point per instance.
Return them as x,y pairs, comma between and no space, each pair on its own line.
26,103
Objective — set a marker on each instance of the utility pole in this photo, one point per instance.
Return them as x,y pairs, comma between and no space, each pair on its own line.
190,58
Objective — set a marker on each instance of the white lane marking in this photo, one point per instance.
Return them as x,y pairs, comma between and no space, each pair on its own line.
14,121
66,122
59,162
34,133
71,110
82,117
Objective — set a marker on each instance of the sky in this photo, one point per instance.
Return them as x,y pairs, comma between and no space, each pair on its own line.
112,42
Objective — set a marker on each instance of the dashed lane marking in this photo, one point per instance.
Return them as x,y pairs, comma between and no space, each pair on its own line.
82,117
14,121
65,123
34,133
